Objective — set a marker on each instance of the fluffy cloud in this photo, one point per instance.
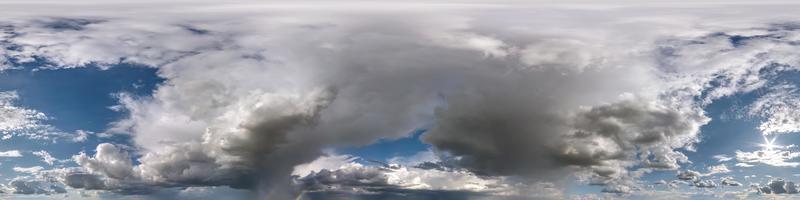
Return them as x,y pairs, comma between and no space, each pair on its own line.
778,186
250,96
109,161
705,184
689,175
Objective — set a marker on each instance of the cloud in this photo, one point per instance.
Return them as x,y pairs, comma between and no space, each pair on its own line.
330,162
46,157
24,122
28,170
688,175
773,157
778,186
729,181
722,158
109,160
20,186
705,184
11,153
15,120
780,109
744,165
356,180
249,96
717,169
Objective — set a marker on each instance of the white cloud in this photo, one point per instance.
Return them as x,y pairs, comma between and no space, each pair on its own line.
329,162
109,160
46,157
689,175
778,186
729,181
21,186
17,119
774,157
10,153
416,159
81,136
24,122
705,184
717,169
722,158
745,165
28,170
780,108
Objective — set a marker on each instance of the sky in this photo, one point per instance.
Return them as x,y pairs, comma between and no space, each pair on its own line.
399,100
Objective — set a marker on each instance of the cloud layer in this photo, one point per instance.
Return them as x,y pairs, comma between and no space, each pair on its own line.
248,96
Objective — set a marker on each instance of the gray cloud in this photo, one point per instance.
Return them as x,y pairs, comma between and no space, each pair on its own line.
729,181
688,175
249,96
777,186
20,186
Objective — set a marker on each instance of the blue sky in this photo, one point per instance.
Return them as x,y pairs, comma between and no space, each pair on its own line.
460,100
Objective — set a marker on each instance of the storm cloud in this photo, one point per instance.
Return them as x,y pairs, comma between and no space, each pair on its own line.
246,99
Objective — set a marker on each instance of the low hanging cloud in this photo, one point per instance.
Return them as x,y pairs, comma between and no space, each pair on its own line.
777,186
354,179
247,99
729,181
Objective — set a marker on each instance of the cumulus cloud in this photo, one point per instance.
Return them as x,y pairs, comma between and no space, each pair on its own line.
778,186
688,175
705,184
109,160
247,97
355,178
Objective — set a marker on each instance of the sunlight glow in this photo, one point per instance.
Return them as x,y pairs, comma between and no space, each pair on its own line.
769,144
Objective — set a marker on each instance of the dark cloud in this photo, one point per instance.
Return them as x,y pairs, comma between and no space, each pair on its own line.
778,186
248,96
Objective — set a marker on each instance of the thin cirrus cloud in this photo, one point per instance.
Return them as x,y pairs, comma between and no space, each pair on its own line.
603,94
